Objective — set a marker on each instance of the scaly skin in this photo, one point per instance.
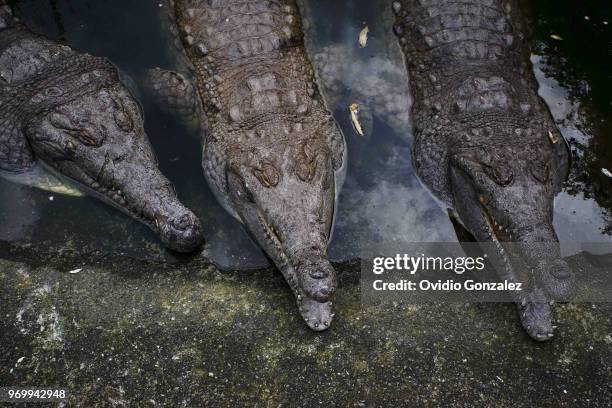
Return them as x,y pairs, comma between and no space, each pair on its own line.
70,111
272,148
485,142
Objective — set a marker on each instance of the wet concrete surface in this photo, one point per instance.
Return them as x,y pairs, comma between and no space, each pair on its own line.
130,332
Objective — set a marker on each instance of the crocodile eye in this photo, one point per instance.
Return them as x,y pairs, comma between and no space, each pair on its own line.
121,115
123,120
267,175
238,187
540,171
62,122
305,169
245,194
86,138
501,175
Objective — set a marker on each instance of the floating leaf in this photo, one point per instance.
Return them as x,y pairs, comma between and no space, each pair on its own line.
556,37
363,37
354,110
554,139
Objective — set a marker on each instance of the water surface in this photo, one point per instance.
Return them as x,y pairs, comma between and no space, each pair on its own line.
381,199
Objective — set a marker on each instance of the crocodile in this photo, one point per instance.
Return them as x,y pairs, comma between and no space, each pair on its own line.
271,149
485,142
70,113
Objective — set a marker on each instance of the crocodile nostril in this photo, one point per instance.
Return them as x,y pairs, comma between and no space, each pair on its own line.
318,273
182,223
561,270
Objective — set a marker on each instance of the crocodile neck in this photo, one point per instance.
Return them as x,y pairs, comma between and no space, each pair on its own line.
251,68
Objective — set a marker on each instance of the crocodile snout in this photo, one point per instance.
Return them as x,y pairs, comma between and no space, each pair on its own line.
183,233
318,280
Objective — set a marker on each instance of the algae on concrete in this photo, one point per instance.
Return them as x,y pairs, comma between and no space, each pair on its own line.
129,332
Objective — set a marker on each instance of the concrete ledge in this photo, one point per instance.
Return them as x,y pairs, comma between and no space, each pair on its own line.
125,332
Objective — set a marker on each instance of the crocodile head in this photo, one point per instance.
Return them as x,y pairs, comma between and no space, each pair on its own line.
285,197
509,201
98,141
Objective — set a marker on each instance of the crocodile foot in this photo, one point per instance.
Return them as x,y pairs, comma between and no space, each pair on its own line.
536,315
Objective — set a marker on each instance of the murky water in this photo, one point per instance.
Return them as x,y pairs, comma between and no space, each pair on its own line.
381,200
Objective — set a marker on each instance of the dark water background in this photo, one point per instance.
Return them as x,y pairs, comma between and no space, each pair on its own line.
382,200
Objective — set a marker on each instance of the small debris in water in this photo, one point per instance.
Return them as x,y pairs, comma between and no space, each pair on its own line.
20,360
354,110
363,37
605,23
74,271
552,137
51,198
606,172
556,37
587,18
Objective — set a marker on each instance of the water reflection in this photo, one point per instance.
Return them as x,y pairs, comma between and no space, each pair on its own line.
576,83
